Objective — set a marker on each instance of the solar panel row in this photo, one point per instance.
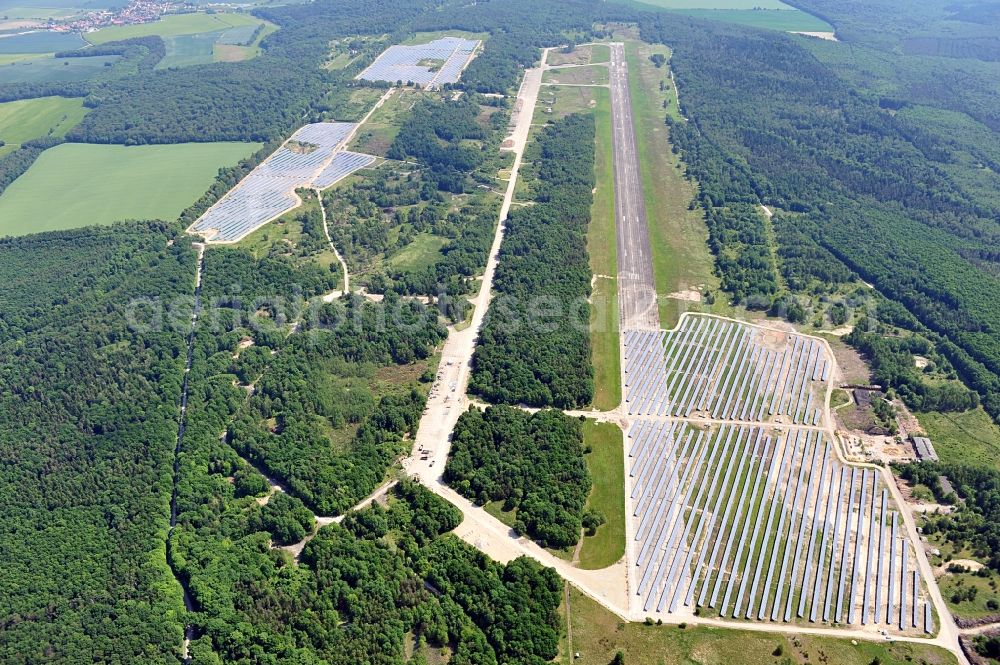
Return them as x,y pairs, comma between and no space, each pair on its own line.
764,525
403,63
726,369
310,158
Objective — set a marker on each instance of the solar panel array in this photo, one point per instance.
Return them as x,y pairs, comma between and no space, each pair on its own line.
402,63
726,370
766,526
344,163
310,158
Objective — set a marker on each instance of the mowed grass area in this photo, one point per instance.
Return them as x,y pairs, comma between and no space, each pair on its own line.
606,462
679,237
28,119
582,75
601,245
597,635
580,55
75,184
173,25
964,438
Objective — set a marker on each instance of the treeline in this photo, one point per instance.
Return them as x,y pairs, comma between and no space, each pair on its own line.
517,31
892,364
737,231
807,266
434,133
88,420
534,347
532,462
313,418
974,522
785,131
16,163
386,578
146,51
257,100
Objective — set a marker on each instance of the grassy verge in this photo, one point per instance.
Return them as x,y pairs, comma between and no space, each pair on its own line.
596,75
606,463
598,635
173,25
681,259
495,508
604,262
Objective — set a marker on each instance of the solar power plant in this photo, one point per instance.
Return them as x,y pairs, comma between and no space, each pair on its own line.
754,523
403,63
344,163
725,370
310,158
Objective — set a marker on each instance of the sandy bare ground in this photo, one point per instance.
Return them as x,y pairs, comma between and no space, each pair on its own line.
828,36
688,295
346,287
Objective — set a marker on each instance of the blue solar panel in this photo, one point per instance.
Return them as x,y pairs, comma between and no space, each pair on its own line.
310,158
402,63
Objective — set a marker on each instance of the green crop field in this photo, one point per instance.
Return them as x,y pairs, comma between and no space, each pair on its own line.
28,119
773,19
75,185
772,14
47,69
41,42
187,50
173,26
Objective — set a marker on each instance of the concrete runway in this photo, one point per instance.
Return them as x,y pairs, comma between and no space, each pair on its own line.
636,285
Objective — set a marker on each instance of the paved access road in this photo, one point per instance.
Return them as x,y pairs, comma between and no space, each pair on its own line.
636,284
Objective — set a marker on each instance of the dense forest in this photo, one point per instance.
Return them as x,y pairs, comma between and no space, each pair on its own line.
366,591
534,347
533,463
315,409
87,428
91,407
771,124
975,520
